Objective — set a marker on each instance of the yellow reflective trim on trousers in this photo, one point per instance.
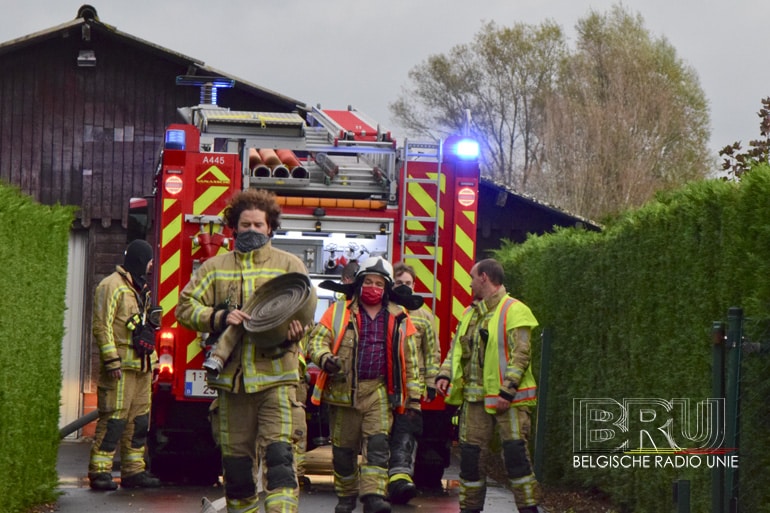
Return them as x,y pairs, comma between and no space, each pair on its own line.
172,230
120,400
205,200
170,266
281,500
249,505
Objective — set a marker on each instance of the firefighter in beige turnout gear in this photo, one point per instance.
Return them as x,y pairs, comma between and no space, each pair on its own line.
406,428
257,385
365,348
489,369
121,303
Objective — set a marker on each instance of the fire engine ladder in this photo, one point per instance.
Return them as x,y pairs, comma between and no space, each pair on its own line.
412,152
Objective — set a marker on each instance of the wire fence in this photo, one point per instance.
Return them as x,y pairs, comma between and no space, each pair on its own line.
741,370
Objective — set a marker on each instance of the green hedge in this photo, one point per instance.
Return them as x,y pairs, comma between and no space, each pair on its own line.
33,253
631,311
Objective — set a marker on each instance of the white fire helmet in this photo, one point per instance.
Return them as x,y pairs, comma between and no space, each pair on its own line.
376,265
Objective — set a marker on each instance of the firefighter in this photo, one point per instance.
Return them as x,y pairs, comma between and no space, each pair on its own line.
489,369
365,348
125,338
299,417
257,386
403,442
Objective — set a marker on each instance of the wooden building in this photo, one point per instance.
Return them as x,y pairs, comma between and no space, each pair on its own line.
83,112
507,214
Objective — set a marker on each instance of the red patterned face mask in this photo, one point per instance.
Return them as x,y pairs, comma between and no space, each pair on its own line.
371,295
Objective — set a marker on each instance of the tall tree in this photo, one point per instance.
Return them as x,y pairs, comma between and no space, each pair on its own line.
627,119
502,78
594,130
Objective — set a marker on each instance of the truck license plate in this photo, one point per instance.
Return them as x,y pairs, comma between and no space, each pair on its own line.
195,384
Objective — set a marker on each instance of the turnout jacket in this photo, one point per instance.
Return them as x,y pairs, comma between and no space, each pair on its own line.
426,341
337,334
223,283
115,302
480,369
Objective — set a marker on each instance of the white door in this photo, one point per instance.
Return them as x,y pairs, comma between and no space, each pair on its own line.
72,345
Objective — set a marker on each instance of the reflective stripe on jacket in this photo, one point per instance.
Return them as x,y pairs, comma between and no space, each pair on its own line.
499,366
224,281
428,350
115,301
337,334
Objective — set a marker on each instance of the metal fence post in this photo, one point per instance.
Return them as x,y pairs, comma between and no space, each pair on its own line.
542,400
682,496
732,397
717,391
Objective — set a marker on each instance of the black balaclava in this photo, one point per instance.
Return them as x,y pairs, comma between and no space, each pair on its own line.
138,255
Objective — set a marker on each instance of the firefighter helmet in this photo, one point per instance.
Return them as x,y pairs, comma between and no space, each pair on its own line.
376,265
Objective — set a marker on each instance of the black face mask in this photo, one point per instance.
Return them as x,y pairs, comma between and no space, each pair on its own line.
138,255
250,240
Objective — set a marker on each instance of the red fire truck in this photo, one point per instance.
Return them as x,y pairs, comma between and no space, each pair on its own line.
347,191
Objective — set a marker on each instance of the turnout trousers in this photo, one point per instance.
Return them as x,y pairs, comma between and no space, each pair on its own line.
252,424
477,428
363,427
124,415
299,437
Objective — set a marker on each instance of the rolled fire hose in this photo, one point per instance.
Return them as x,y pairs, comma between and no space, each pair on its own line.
276,304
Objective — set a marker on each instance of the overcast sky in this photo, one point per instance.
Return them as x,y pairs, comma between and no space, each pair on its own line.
359,52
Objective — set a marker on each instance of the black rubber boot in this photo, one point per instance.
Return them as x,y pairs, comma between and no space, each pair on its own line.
141,480
345,504
375,504
532,509
401,491
102,482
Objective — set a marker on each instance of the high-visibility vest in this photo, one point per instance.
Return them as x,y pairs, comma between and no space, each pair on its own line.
509,314
336,320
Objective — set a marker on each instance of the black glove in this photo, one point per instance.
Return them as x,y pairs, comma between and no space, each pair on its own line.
332,364
431,394
144,340
414,420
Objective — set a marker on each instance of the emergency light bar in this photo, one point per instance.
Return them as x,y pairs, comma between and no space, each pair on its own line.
175,140
466,149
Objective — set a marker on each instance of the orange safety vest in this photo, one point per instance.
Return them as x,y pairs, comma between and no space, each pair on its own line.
336,320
